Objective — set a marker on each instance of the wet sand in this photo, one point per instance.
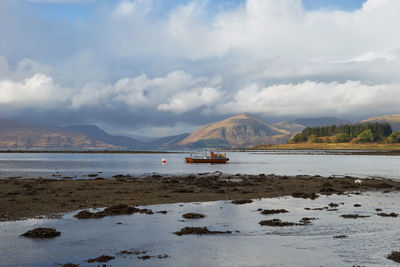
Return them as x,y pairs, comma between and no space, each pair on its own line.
28,198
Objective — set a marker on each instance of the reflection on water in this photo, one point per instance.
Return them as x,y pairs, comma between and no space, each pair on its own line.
369,239
79,165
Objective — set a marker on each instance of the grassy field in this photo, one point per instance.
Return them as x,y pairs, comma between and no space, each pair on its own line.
331,146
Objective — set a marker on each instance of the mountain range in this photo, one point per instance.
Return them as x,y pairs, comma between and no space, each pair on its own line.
240,131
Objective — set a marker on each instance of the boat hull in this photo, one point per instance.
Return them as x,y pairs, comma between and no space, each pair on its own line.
194,160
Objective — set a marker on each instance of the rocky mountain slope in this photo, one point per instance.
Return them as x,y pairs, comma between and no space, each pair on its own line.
17,135
95,132
243,130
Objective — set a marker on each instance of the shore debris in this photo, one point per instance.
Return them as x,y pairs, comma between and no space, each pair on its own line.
193,215
42,233
199,231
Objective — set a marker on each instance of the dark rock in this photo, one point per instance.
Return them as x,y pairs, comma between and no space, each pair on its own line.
126,252
394,256
199,231
145,257
162,212
340,236
42,233
388,214
267,212
354,216
276,222
305,195
307,220
103,258
357,205
333,205
121,209
242,201
192,215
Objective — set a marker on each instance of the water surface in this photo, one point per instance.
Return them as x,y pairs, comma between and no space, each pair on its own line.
369,239
288,163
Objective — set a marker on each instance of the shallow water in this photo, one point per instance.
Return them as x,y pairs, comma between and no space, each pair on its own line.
287,163
369,239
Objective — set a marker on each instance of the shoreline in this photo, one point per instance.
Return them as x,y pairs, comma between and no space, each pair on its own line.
377,151
91,151
23,198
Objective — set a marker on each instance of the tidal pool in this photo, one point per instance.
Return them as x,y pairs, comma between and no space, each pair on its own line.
368,240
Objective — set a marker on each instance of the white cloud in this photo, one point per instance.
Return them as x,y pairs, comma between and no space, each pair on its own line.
191,100
262,56
126,7
38,91
308,98
61,1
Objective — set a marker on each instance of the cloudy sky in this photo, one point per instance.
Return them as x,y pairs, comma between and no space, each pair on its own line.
155,67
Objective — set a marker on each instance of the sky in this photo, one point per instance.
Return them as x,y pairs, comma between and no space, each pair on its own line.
157,68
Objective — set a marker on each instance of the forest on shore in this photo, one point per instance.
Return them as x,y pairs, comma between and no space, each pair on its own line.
353,133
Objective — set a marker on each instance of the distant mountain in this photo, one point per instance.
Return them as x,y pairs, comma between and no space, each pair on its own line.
290,126
324,121
393,120
164,142
95,132
17,135
239,131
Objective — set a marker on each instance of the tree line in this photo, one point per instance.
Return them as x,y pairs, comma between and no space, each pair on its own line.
366,132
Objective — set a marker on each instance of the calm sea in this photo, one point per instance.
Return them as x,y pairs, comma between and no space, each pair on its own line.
283,163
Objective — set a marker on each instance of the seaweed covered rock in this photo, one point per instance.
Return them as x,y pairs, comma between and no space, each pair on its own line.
273,211
199,231
305,195
276,222
241,201
394,256
193,215
102,258
354,216
42,233
120,209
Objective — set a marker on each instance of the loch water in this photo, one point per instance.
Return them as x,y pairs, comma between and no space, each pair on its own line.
367,241
55,165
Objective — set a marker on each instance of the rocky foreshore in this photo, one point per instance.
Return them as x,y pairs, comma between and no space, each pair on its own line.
27,198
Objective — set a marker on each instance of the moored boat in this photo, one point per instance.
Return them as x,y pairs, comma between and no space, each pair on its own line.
204,158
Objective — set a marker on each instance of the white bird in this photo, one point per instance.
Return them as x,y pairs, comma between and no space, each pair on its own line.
357,181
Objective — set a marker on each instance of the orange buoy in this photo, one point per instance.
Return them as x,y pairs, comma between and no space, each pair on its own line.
163,160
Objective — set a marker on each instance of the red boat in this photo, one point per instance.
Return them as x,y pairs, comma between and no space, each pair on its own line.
204,158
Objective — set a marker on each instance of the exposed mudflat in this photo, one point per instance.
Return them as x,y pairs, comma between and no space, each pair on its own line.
27,198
